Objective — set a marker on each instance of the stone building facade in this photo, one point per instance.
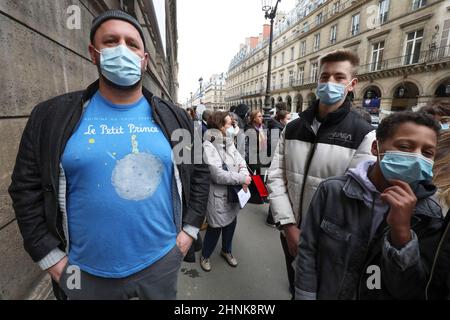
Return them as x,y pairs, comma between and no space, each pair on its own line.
212,95
404,47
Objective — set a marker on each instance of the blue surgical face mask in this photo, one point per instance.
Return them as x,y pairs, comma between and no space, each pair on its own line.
121,66
445,126
330,93
406,166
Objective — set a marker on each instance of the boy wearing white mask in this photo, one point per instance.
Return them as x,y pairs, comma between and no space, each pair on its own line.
325,141
372,233
99,200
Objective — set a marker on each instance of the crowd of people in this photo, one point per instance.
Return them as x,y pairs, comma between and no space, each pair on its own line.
362,213
347,196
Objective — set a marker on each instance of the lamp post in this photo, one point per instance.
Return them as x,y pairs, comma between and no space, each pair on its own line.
270,13
201,82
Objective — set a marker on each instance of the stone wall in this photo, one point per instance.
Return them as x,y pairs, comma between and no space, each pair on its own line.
40,57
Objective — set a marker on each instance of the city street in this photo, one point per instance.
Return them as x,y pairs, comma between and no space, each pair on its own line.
260,275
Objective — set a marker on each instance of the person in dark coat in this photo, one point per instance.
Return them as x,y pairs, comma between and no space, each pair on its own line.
242,111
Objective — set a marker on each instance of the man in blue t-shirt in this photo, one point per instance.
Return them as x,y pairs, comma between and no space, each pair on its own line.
128,211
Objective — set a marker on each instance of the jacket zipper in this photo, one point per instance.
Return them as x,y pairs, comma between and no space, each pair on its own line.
305,177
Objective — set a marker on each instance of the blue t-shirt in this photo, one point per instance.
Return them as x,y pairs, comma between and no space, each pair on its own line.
119,169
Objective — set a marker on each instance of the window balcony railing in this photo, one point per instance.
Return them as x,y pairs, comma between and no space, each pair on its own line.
280,42
424,57
305,81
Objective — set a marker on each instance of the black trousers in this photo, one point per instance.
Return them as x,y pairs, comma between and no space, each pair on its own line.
289,260
270,219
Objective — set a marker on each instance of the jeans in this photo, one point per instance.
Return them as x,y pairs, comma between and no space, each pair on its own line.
212,237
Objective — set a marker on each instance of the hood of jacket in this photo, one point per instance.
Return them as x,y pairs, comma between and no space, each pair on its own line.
369,193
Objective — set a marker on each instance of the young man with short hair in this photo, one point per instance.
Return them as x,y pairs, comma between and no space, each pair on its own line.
324,141
372,233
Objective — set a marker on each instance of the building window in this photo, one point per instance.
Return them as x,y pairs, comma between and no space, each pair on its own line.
319,19
274,79
281,80
305,27
417,4
292,53
301,75
275,61
413,46
314,72
303,48
291,78
336,7
128,6
355,24
377,56
282,58
383,9
333,34
317,42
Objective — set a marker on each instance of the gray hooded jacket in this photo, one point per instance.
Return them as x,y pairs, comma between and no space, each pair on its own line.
338,254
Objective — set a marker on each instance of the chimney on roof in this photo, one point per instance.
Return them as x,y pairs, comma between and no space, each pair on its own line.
266,31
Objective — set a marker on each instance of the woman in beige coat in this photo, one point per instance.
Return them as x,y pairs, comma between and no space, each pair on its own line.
227,168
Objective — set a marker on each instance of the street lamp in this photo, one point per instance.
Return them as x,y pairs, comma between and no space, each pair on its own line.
201,82
270,13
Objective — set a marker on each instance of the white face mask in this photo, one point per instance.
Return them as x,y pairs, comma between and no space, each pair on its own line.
230,132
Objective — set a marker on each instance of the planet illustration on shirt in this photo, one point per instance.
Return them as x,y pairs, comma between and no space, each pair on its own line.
137,176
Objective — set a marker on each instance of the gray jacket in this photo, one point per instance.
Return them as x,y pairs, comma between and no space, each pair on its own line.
220,212
337,256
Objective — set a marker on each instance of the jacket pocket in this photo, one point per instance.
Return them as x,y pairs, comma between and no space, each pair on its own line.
333,244
220,192
220,199
334,231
